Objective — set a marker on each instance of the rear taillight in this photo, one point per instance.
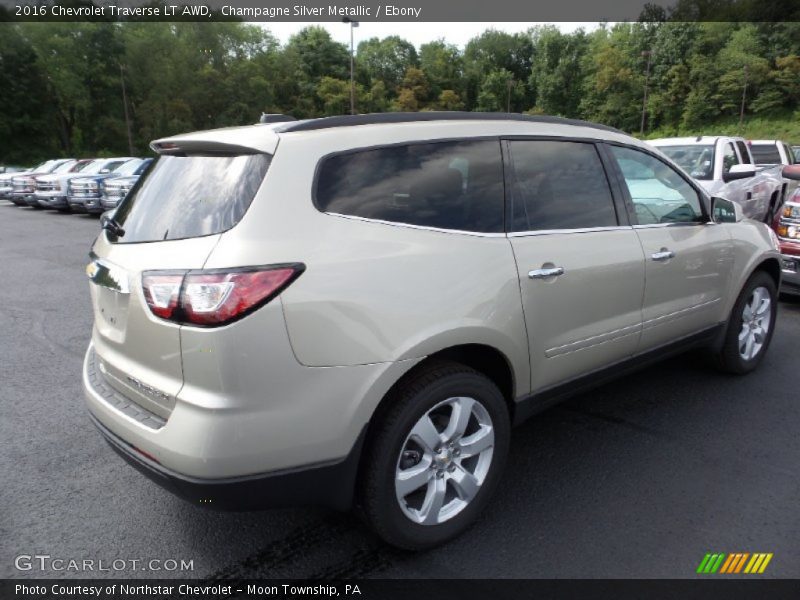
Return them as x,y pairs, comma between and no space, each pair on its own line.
214,297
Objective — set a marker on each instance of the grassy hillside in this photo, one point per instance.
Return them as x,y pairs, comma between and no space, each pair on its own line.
784,127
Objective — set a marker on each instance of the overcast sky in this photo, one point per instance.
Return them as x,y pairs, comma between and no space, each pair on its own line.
416,33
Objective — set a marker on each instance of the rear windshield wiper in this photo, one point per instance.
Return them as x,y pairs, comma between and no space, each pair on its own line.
110,225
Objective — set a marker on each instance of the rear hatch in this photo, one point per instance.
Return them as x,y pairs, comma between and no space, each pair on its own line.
171,221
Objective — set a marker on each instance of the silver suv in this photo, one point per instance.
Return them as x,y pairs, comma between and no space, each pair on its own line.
353,311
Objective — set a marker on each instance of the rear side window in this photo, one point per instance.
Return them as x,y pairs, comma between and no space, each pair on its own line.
559,185
446,185
766,154
191,196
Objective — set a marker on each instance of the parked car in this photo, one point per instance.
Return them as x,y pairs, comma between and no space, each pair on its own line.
6,185
51,190
771,153
114,189
11,169
24,184
83,193
356,309
787,227
725,167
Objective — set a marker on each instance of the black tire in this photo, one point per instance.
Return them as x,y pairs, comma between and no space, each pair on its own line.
729,358
409,402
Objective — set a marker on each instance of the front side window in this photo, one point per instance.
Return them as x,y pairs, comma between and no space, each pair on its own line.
659,194
558,185
445,185
729,157
191,196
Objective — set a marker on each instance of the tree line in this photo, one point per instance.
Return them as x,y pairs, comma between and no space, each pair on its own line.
61,84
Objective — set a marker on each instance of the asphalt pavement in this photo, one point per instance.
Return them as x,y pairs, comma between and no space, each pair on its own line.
639,478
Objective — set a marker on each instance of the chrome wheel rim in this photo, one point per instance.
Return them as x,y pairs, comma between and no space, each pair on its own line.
444,461
756,321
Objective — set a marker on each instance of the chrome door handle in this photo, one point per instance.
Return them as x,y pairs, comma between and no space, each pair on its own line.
546,273
663,255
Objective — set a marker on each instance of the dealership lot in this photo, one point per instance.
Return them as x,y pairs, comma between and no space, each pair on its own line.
640,478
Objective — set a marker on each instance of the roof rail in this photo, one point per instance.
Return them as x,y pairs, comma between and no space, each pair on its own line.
275,118
408,117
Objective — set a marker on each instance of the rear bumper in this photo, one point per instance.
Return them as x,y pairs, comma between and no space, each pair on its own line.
330,484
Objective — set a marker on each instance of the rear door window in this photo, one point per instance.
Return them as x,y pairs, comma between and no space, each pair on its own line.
558,185
766,154
190,196
744,153
444,185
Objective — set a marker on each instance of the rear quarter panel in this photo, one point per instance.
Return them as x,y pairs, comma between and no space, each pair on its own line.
375,292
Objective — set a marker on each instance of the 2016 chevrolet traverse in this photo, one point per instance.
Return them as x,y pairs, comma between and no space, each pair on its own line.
353,311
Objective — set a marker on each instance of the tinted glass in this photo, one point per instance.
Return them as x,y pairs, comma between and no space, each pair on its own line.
744,153
191,196
447,185
728,157
766,154
697,160
558,185
658,192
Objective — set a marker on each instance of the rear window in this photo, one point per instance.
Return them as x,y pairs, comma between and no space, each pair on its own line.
190,196
766,154
445,185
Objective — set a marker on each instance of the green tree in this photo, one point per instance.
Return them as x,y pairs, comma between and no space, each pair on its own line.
386,60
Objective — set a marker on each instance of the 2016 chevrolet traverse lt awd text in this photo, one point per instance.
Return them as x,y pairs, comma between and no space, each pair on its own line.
353,311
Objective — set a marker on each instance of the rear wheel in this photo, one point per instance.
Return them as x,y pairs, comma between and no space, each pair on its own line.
435,457
750,325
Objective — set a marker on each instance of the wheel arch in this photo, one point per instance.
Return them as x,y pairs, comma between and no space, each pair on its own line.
483,358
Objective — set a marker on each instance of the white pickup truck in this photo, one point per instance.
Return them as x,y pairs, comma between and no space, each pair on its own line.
771,153
725,167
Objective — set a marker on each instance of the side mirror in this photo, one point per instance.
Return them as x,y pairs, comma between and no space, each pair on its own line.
739,172
791,172
726,211
104,171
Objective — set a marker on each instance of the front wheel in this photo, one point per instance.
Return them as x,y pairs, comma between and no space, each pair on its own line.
750,326
435,457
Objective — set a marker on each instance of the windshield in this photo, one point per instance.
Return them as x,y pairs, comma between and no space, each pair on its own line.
65,167
190,196
99,165
695,159
81,166
144,164
129,167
